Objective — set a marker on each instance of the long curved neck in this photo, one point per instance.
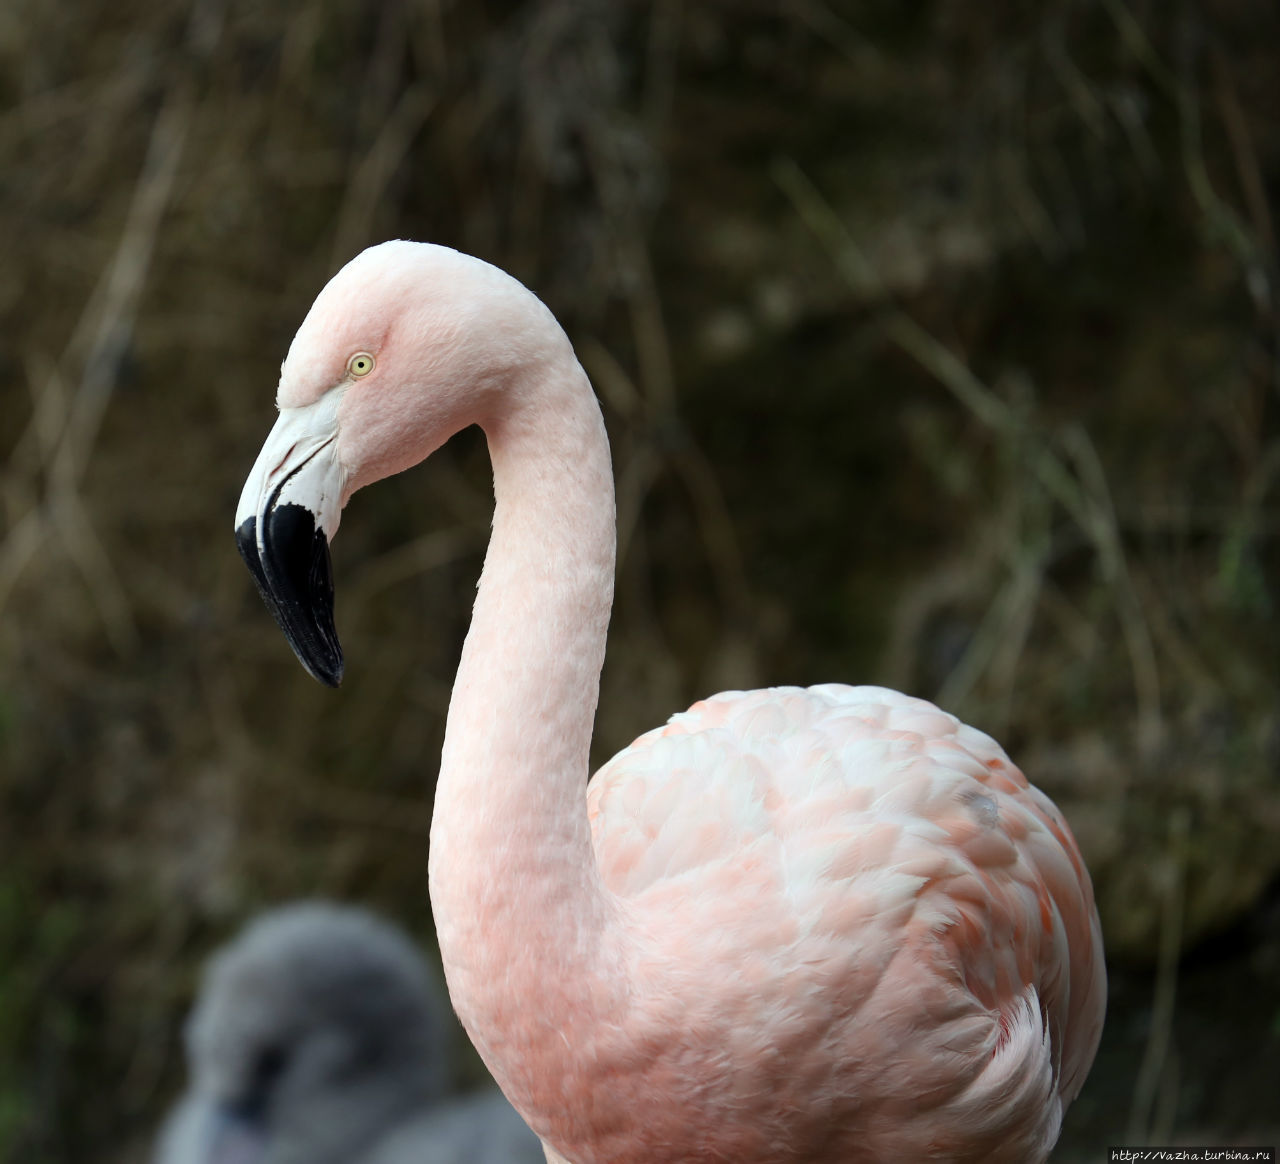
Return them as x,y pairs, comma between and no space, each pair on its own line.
520,910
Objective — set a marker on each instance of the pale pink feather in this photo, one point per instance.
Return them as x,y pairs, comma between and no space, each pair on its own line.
789,927
883,904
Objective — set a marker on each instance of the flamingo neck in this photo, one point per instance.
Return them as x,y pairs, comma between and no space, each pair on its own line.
521,913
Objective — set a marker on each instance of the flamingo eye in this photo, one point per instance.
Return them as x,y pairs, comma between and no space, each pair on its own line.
361,364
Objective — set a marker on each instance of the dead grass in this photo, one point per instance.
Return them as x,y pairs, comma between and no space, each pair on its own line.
938,350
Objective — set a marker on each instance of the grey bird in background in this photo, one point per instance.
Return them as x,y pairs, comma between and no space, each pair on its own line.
319,1037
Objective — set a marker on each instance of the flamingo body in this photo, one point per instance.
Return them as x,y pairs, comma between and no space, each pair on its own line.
830,925
759,831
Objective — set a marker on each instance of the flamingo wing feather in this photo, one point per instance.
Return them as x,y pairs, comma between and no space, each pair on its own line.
903,910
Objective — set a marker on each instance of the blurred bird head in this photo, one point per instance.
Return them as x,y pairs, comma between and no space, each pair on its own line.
316,1028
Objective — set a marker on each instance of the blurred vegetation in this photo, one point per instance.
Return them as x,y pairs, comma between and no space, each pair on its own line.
938,344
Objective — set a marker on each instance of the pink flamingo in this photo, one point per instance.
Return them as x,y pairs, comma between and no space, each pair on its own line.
792,925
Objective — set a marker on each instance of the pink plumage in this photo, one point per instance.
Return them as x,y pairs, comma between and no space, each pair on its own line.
764,830
792,926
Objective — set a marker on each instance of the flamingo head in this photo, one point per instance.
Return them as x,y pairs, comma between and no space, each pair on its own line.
404,346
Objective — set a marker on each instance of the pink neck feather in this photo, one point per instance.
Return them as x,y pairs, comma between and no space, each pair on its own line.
521,913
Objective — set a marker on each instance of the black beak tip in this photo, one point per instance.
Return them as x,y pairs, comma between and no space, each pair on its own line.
295,578
328,671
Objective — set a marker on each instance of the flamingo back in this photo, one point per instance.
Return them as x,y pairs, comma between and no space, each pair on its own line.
865,905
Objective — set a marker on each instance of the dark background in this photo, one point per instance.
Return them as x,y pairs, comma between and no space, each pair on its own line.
938,346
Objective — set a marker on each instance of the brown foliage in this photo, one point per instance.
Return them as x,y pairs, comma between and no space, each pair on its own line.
937,342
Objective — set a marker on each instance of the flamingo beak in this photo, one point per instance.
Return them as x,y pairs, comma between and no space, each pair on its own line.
288,512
